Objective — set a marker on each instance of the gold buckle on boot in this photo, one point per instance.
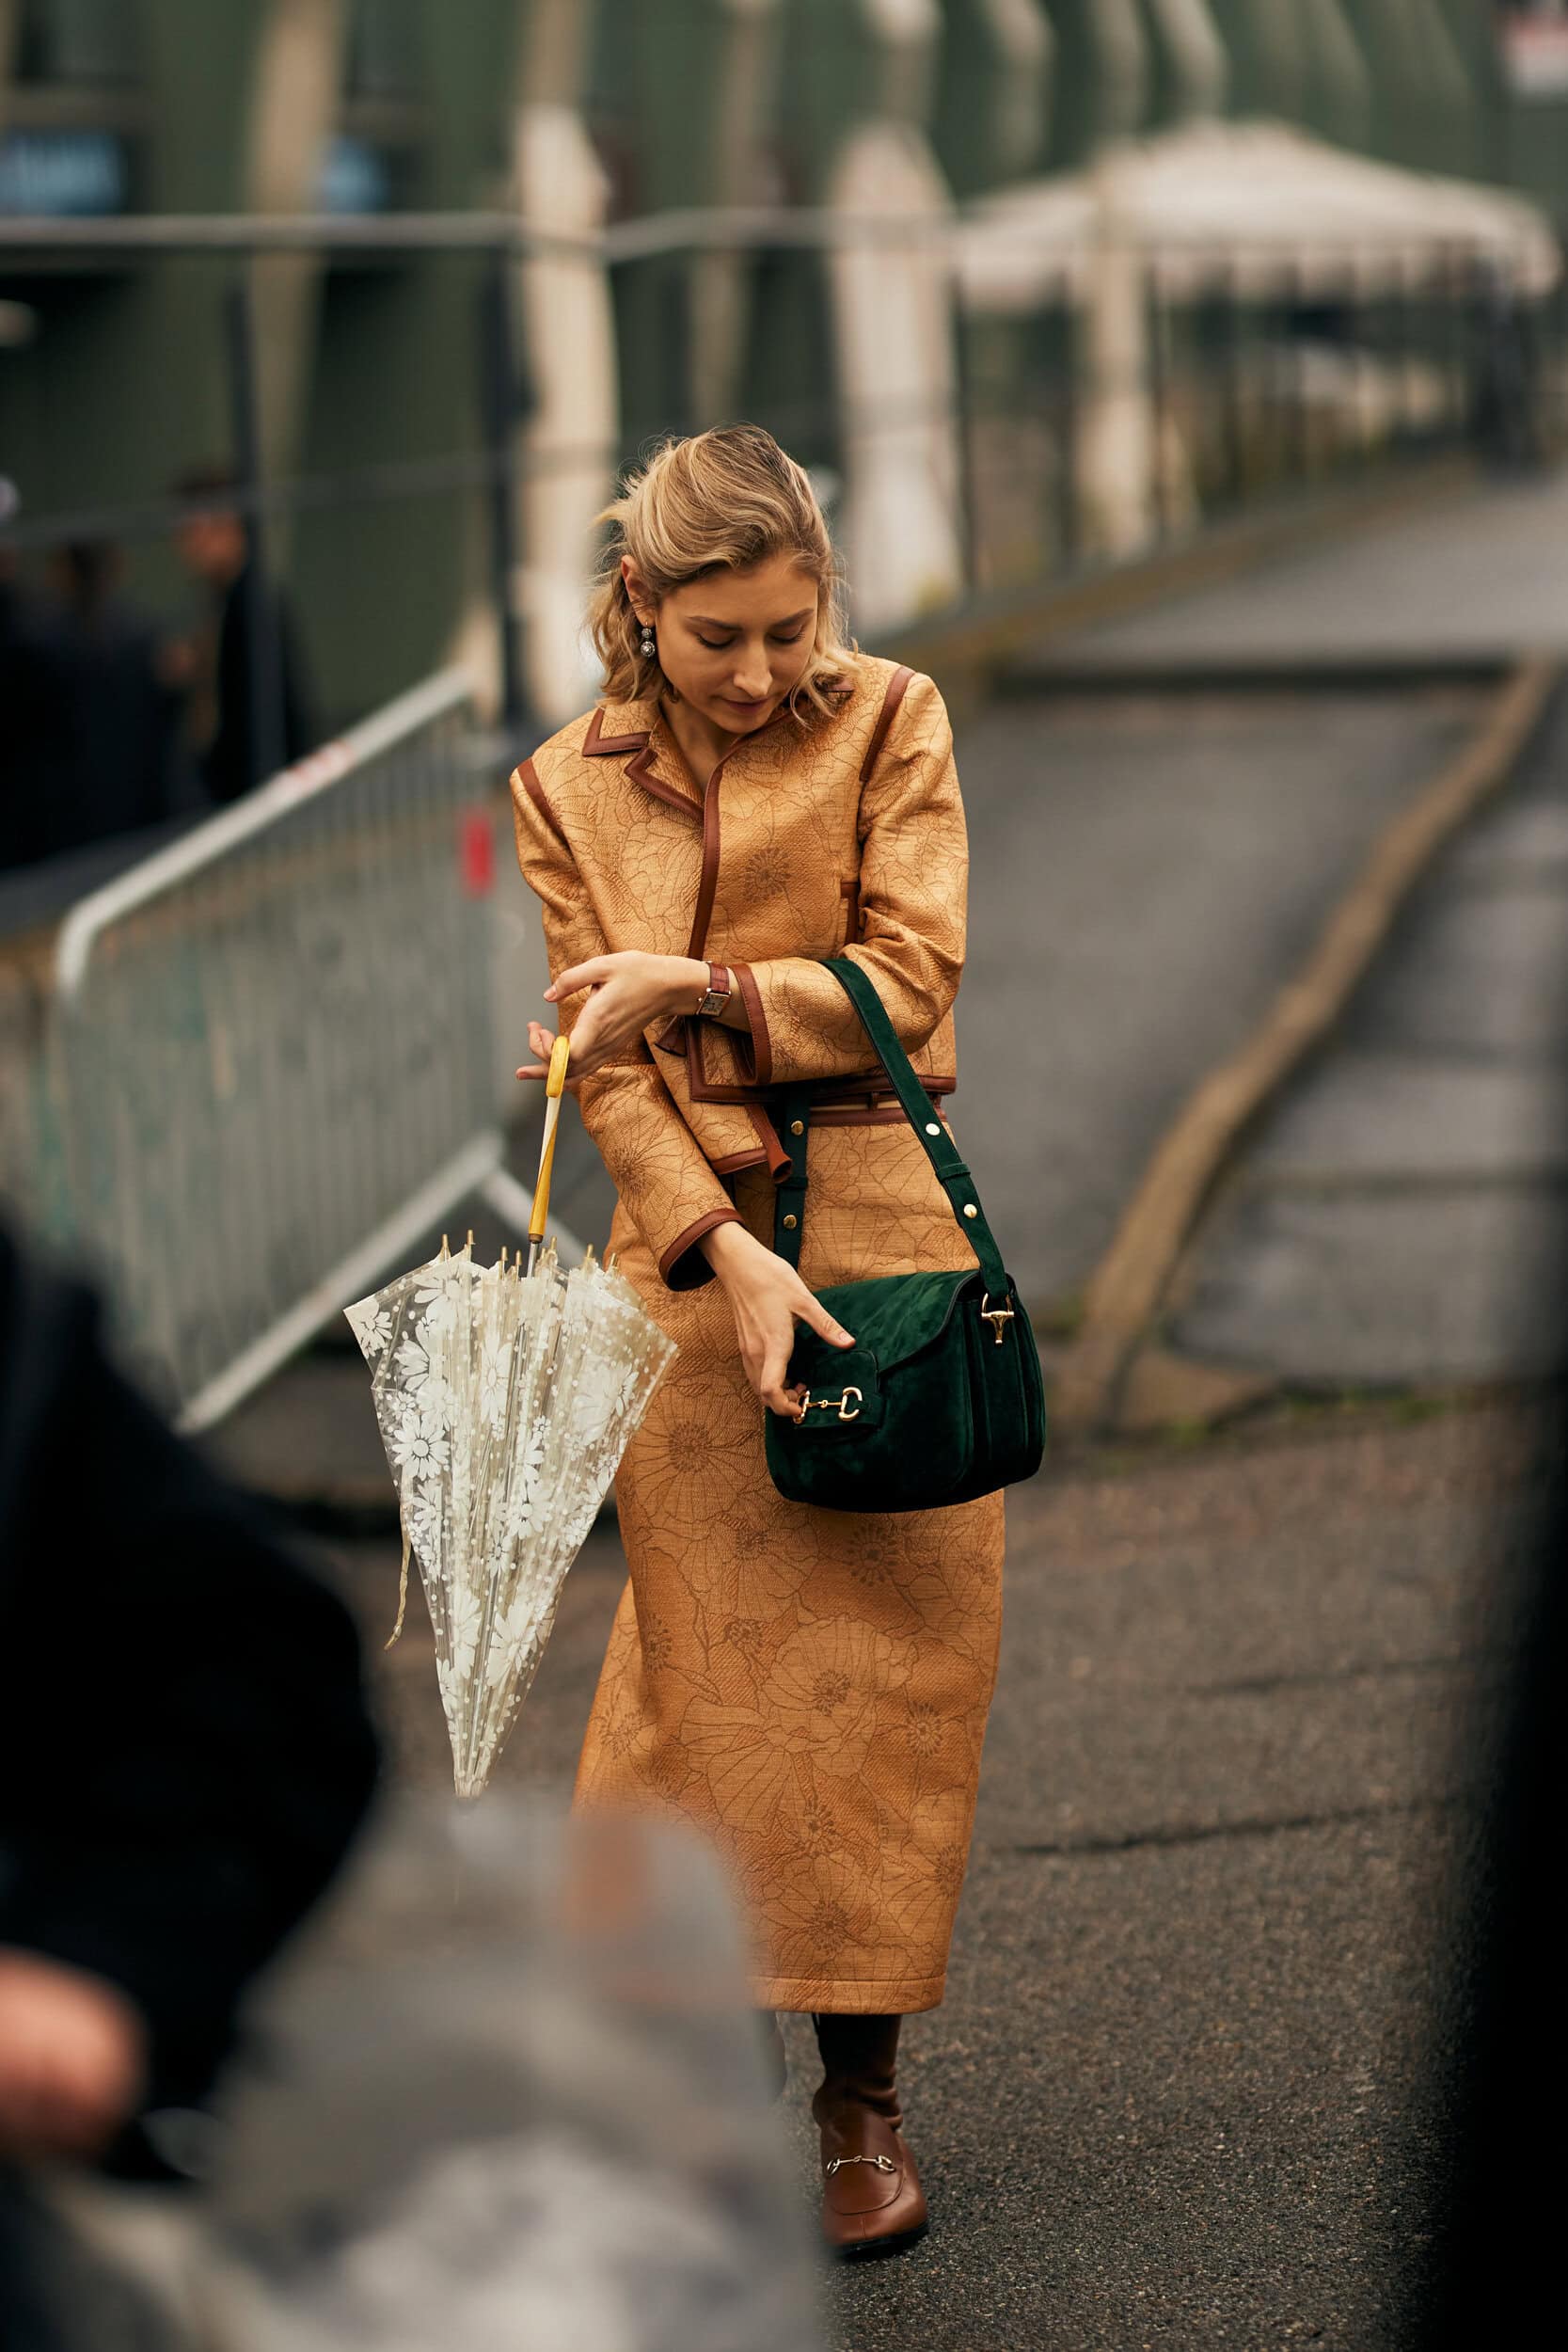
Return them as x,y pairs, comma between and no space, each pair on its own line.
884,2164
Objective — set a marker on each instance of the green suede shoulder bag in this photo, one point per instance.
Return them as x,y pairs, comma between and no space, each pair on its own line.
941,1399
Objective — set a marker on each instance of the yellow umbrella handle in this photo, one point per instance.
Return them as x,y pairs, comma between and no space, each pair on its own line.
560,1052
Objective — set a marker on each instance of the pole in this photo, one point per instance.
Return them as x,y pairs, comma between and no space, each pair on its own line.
263,647
502,409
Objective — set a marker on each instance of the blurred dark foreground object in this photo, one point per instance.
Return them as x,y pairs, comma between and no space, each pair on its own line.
507,2092
184,1747
1492,2264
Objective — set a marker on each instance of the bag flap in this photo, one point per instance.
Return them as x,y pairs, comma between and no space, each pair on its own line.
892,1318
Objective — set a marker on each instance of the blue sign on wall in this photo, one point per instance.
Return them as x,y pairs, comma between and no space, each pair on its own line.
355,176
70,174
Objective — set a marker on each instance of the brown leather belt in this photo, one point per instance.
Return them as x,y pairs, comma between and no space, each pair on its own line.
847,1105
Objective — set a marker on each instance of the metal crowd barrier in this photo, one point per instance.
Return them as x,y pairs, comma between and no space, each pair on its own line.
272,1049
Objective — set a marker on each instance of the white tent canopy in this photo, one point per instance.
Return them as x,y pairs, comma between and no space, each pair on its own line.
1254,206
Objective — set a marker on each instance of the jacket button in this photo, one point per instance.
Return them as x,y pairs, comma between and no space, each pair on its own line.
791,1221
797,1126
970,1210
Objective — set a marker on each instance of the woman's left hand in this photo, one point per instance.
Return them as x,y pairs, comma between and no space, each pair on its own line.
630,991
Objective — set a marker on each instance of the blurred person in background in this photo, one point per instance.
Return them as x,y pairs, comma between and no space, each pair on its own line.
128,769
245,672
808,1687
35,743
92,739
184,1757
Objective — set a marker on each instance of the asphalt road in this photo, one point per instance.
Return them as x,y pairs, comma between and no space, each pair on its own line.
1181,2091
1480,576
1399,1216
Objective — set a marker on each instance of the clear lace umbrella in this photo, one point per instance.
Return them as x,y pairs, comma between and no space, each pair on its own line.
505,1400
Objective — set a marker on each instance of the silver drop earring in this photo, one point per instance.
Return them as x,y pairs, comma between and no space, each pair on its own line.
646,647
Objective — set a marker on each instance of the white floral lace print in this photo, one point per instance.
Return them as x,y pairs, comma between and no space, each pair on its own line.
504,1405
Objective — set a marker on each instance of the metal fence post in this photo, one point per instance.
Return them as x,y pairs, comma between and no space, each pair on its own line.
1158,313
1235,392
501,394
263,648
970,530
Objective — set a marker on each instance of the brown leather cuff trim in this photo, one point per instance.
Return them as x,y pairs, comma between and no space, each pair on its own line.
733,1162
683,1267
528,776
897,687
761,1071
778,1158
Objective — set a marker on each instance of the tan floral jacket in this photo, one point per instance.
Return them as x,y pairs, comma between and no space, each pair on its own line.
846,838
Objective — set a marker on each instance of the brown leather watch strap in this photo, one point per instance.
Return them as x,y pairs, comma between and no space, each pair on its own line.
720,988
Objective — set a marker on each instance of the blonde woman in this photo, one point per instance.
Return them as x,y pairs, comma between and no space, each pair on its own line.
808,1687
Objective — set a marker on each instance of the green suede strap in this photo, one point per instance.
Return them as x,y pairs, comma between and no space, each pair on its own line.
952,1172
789,1200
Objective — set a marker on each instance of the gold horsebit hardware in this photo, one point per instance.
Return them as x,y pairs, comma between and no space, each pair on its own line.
995,1317
884,2164
835,1403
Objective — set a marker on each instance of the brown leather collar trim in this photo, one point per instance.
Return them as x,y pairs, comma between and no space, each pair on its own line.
709,882
897,687
596,745
526,775
641,770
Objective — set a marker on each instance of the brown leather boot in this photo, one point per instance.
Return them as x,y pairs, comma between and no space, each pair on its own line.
872,2198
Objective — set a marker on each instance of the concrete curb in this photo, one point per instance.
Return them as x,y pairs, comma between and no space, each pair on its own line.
1127,1287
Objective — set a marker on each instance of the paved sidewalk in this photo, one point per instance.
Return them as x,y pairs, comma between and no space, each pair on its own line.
1484,576
1402,1217
1180,2092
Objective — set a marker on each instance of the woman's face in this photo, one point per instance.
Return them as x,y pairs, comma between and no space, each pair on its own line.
734,644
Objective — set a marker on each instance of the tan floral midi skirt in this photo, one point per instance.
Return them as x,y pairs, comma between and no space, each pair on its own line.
809,1687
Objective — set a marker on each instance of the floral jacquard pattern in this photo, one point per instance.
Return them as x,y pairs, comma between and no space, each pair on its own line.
616,848
813,1684
808,1688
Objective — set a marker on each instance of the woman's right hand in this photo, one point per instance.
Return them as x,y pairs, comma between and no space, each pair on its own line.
767,1297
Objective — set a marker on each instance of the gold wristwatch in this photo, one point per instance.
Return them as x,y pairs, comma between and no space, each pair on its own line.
719,991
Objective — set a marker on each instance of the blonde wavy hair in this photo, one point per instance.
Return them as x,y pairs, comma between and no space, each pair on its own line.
723,500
